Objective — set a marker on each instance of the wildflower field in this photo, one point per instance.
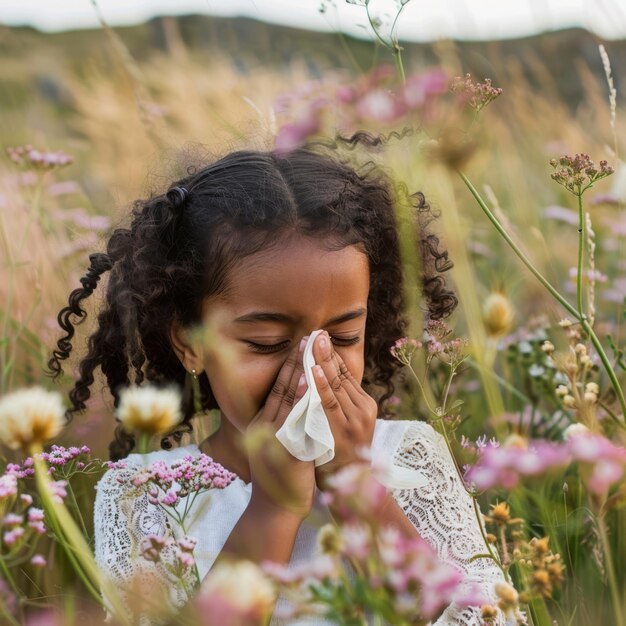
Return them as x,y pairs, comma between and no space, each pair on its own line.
526,381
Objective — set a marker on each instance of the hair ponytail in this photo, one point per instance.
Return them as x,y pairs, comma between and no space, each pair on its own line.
100,263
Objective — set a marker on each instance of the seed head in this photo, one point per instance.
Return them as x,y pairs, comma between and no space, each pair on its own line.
149,410
477,95
30,416
577,173
498,314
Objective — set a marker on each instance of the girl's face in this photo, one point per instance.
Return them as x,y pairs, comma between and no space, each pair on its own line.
274,299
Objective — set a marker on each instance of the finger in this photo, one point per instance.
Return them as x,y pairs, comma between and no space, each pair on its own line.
281,385
334,374
354,390
289,399
330,402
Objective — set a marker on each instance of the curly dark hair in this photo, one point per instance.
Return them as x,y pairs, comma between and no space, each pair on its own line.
180,248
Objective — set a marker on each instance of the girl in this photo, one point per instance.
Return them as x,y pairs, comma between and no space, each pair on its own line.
270,248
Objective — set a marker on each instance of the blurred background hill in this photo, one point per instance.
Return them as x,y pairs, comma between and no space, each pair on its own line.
39,61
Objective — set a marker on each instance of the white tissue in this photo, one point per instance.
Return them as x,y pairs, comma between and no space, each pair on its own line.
306,432
307,435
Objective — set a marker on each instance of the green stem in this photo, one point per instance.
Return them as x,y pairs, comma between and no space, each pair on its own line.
495,559
8,577
607,365
612,415
581,317
423,391
78,513
615,595
525,260
4,611
579,273
501,381
373,26
397,57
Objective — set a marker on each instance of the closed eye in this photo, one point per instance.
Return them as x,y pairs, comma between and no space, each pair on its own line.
340,341
264,348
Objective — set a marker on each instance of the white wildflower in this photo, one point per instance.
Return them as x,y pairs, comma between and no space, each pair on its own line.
29,416
149,410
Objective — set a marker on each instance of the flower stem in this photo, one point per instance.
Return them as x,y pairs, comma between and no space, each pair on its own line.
536,273
397,57
74,543
579,272
607,365
615,595
581,317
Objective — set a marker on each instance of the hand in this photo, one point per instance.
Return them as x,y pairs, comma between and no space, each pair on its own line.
279,479
350,411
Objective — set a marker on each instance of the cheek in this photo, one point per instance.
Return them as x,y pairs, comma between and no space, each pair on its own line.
241,385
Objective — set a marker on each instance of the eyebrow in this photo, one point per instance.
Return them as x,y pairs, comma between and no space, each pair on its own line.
267,316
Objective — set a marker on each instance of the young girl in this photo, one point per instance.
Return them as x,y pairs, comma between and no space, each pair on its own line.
270,248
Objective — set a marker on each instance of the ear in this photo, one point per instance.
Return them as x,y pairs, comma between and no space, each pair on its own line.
188,352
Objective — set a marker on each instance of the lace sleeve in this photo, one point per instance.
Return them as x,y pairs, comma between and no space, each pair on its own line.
122,518
443,513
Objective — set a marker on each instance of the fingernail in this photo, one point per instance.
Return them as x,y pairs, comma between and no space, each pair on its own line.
323,342
302,381
319,372
303,343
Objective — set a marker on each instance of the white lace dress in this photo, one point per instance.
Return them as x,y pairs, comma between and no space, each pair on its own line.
441,511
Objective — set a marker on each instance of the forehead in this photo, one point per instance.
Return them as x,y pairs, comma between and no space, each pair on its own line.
301,277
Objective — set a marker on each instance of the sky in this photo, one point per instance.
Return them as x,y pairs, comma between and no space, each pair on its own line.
421,20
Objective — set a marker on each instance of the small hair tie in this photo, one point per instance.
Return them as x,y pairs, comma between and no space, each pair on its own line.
177,197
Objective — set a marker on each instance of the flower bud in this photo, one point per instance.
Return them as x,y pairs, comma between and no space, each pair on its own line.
590,397
548,347
498,314
574,430
569,401
562,391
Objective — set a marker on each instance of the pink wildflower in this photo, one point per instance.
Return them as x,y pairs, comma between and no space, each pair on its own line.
38,561
12,536
186,559
419,88
187,544
294,134
12,519
356,540
151,546
8,486
380,105
58,490
26,499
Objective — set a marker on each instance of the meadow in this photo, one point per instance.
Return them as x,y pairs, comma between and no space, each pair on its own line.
525,381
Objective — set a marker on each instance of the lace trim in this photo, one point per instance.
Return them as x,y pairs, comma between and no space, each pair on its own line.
443,514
